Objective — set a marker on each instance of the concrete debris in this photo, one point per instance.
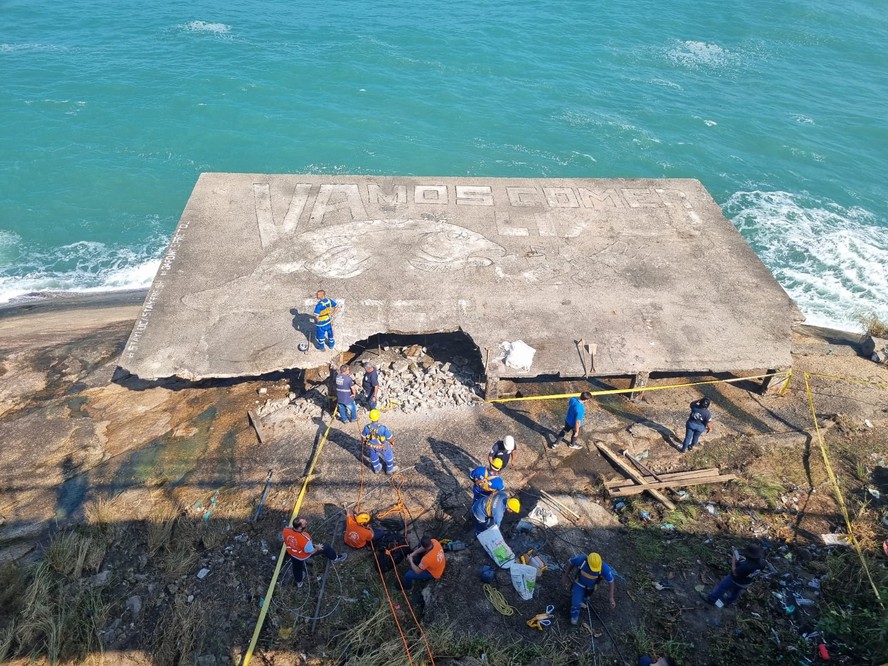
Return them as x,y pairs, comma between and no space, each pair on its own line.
134,604
99,579
410,381
203,573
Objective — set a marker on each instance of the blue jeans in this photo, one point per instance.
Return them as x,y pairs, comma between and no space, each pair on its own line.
578,594
299,565
728,589
348,412
410,576
693,430
379,456
324,333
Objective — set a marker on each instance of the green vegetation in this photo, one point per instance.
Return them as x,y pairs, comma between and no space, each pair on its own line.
873,325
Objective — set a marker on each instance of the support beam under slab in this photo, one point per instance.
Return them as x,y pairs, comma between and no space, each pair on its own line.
773,385
638,381
491,388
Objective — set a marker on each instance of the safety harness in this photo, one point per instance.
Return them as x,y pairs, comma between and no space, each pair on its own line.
374,436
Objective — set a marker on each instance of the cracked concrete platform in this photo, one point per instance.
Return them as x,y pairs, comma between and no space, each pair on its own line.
650,271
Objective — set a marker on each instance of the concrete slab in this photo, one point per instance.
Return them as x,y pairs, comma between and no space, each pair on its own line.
649,272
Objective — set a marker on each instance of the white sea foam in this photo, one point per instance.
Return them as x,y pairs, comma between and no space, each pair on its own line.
802,120
79,267
832,260
207,27
700,54
710,123
14,48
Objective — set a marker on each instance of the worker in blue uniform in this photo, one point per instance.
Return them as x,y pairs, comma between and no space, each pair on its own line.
573,420
486,480
489,511
323,316
585,572
379,439
700,420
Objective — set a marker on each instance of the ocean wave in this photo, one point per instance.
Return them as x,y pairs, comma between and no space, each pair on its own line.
832,260
15,48
85,266
218,29
696,54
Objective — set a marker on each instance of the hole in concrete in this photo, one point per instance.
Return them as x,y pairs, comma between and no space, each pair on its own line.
416,372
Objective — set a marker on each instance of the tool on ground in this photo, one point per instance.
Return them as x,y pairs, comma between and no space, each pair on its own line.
303,347
541,620
264,495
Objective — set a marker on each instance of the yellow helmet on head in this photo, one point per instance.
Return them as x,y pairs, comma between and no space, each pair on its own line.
513,505
362,518
497,463
374,415
594,561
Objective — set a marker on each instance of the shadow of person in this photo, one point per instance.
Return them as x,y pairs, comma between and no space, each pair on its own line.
666,433
71,495
303,322
521,416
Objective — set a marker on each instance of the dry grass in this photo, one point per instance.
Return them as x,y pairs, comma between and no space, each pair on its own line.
60,619
179,633
160,530
178,560
70,553
872,325
101,516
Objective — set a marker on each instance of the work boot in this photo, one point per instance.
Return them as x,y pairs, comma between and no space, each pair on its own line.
392,470
342,557
574,445
575,619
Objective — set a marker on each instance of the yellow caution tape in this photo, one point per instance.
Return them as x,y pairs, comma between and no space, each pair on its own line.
642,389
835,482
248,655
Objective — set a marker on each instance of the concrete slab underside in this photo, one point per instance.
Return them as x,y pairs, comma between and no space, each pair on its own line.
650,271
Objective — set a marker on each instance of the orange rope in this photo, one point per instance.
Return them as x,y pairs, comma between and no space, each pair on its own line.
392,604
410,606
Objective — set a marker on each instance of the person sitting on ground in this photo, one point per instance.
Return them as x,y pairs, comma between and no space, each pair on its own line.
486,480
743,571
358,532
662,661
503,450
590,570
490,510
426,562
300,548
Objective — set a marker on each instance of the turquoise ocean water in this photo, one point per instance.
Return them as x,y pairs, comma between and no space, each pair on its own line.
109,111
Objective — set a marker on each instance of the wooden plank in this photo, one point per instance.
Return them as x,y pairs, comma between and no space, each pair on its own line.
558,505
693,474
630,472
623,491
257,425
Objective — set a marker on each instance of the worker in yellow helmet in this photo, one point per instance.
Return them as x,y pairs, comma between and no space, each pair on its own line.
489,510
378,441
358,532
586,571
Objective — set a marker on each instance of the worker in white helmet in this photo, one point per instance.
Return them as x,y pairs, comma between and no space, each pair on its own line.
504,450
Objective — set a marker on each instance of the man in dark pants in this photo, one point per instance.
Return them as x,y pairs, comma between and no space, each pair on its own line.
370,385
699,420
345,395
300,548
743,571
573,420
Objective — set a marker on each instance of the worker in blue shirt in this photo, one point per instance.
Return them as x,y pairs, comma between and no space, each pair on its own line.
323,316
489,511
699,420
590,570
378,439
486,480
345,394
370,385
573,420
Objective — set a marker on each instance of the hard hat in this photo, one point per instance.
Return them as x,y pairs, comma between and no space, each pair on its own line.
374,415
513,504
497,463
496,483
362,518
594,561
509,443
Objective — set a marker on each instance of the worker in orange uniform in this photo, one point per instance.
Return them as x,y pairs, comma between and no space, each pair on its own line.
358,532
426,562
301,547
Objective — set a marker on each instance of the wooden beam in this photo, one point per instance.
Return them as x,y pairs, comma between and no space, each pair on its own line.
630,472
622,491
257,425
675,476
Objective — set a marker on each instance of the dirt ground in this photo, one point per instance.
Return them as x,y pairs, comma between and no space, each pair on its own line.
133,505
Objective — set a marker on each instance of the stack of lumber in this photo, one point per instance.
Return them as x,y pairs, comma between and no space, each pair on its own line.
647,481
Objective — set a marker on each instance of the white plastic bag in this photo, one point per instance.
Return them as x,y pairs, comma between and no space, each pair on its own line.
523,579
519,355
492,541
